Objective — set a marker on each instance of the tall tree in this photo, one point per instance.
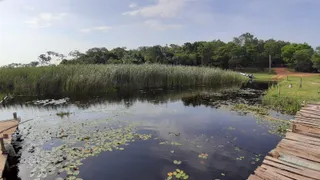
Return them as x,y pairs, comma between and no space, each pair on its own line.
316,59
302,60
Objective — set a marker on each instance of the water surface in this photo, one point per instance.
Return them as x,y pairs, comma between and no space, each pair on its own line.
200,122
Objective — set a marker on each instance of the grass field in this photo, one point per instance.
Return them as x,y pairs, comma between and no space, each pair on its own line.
263,76
289,100
62,79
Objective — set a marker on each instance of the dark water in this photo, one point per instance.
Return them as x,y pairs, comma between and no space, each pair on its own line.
199,120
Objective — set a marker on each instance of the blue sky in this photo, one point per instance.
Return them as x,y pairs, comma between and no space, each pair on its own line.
29,28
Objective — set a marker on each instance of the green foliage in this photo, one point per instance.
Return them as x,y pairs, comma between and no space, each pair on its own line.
244,51
316,59
282,97
298,56
302,60
64,79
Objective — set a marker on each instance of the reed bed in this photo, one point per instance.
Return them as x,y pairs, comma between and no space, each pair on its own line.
90,79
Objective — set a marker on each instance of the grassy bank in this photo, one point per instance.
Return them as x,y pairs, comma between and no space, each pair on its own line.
62,79
263,76
282,97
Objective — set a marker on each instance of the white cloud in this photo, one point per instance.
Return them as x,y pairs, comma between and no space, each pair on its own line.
157,25
29,8
133,5
98,28
45,19
163,8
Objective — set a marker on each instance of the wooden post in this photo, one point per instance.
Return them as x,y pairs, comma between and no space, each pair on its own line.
15,115
293,127
269,63
300,81
3,149
274,154
279,90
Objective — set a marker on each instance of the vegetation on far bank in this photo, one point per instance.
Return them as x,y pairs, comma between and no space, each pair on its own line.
289,100
263,76
242,52
56,80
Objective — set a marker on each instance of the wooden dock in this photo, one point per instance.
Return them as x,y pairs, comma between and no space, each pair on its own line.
7,128
297,156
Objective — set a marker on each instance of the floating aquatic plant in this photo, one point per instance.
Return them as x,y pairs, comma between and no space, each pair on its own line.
81,140
240,158
177,174
203,156
62,114
177,162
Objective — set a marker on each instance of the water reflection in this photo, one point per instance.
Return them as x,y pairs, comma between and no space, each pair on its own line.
200,120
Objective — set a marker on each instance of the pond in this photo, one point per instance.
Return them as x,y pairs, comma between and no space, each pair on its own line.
157,134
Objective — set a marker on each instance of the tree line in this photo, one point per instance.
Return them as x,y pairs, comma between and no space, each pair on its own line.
242,52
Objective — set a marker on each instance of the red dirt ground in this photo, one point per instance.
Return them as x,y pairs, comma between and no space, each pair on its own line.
284,72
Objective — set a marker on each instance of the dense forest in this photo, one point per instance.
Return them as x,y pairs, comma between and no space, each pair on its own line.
244,51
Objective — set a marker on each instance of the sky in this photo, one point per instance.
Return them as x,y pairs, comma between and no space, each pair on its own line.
29,28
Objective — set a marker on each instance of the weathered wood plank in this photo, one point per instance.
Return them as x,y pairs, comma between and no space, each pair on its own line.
308,130
299,152
5,125
307,115
296,161
285,173
251,177
311,107
297,156
310,123
303,138
310,119
309,112
292,168
268,174
306,118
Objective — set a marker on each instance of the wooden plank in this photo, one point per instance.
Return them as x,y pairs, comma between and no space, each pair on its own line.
285,173
307,130
292,168
298,116
311,107
5,125
300,137
293,160
303,144
297,156
300,121
251,177
309,111
307,115
312,120
303,116
268,174
299,151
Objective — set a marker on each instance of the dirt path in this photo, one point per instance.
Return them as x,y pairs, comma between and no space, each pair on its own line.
284,72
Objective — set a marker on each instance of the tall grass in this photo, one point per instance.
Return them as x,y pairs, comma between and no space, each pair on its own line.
54,80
